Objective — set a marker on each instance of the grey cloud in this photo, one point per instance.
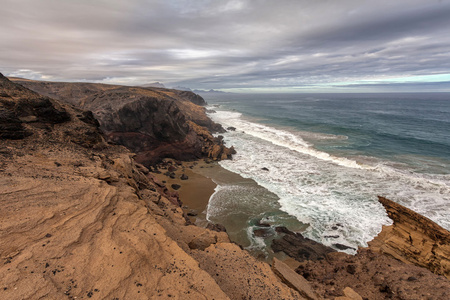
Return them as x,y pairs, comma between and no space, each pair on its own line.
224,44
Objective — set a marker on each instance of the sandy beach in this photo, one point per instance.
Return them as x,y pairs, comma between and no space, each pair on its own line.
196,190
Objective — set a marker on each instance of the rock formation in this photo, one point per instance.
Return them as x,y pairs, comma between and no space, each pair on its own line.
152,122
399,263
299,247
80,219
414,239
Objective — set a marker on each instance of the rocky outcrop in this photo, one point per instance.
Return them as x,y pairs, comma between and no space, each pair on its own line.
294,280
299,247
372,275
24,113
79,222
399,263
414,239
154,123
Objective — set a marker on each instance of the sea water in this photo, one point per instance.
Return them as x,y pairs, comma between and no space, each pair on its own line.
321,160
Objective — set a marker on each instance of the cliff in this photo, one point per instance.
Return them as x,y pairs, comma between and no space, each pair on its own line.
80,219
414,239
153,122
407,260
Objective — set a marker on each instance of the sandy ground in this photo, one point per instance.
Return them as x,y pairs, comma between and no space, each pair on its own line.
194,192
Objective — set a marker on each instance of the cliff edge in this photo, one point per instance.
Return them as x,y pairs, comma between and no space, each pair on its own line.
414,239
154,123
80,219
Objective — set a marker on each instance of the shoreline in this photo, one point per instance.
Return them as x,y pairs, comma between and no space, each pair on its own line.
195,191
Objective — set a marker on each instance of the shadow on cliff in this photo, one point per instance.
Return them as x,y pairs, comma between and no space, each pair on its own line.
155,123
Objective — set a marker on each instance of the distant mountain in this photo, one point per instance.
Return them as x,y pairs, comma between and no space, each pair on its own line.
210,91
181,88
154,84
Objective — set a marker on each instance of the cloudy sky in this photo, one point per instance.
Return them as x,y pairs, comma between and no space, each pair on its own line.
234,45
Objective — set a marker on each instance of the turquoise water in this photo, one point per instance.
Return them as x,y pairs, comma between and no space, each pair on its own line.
328,156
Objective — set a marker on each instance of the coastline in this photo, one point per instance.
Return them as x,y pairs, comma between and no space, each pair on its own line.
195,191
93,212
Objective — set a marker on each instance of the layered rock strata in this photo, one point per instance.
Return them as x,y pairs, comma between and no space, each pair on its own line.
414,239
80,219
153,122
399,263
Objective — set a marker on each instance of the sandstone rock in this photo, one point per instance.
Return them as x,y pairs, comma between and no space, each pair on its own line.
415,239
294,280
373,276
350,293
216,227
242,276
203,241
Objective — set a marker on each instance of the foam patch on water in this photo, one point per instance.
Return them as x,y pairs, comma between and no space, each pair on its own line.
335,195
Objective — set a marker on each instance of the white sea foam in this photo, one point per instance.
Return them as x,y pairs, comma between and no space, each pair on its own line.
335,195
280,138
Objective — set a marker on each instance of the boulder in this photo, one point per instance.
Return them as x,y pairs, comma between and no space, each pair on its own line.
300,248
175,186
216,227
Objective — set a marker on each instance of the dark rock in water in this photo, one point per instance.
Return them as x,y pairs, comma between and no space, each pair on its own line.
261,224
331,236
192,213
231,128
263,232
299,247
264,169
184,177
175,186
283,229
216,227
343,247
211,111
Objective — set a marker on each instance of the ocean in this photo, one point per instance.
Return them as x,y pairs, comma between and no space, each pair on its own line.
315,163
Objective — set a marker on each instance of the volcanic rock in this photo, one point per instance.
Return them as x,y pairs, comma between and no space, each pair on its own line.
175,186
152,122
300,248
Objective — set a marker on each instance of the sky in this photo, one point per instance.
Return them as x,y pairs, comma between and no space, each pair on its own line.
232,45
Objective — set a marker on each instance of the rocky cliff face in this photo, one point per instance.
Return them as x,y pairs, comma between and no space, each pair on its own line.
153,122
399,263
81,220
414,239
24,113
